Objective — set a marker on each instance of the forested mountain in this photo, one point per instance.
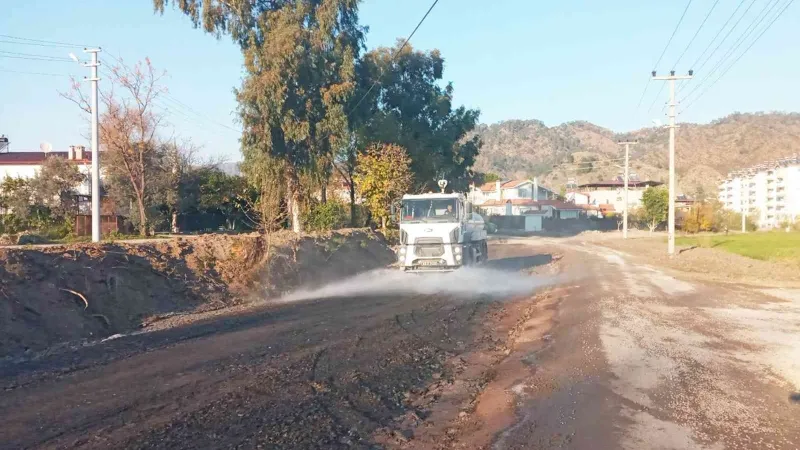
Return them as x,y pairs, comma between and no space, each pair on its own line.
587,152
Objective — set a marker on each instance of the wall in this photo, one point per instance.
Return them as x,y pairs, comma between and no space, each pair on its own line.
533,223
616,197
30,171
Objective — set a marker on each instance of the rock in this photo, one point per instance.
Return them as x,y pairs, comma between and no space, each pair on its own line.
436,376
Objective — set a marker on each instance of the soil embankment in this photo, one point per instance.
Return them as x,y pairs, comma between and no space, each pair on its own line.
59,294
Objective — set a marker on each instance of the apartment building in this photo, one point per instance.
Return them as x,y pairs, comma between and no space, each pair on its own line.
770,192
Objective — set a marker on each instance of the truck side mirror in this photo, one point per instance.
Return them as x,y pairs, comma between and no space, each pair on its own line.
469,208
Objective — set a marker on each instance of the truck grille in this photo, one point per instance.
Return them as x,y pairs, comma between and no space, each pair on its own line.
428,247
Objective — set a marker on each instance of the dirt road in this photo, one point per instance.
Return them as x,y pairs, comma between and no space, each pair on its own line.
617,354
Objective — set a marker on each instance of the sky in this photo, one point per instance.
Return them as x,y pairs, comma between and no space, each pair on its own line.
512,59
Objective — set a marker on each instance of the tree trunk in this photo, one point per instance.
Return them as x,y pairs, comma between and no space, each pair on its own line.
383,223
323,194
352,202
142,215
293,198
174,225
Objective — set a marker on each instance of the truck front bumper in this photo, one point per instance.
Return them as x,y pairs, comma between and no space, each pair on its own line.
449,260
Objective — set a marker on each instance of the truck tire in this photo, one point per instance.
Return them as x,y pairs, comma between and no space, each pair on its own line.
484,251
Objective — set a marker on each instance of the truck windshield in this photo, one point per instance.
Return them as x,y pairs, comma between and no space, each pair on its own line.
424,210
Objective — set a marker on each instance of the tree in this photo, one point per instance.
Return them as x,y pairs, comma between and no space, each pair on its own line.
300,62
406,106
383,177
129,130
655,205
54,187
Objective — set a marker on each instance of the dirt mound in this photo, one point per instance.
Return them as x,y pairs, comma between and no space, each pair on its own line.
84,292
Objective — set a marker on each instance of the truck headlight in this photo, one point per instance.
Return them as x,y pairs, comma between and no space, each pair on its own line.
401,250
457,249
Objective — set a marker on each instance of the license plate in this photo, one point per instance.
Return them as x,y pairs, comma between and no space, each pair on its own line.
429,262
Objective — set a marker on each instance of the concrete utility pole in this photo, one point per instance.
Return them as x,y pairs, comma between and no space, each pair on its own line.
95,148
671,222
627,145
744,221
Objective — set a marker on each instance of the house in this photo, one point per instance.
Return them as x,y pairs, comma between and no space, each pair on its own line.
684,203
551,209
612,192
510,190
28,164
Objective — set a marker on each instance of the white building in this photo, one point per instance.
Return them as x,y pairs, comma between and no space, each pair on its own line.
509,190
28,164
610,195
770,192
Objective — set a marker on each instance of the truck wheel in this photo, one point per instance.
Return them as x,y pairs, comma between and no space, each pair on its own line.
484,251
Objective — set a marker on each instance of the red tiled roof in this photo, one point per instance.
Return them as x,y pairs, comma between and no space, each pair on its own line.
618,183
36,158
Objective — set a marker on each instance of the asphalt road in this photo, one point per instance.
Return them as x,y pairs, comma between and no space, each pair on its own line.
616,355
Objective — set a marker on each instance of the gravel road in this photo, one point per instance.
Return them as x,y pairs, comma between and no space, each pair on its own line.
616,354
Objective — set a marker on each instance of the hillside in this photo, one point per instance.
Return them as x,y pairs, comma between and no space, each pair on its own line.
705,152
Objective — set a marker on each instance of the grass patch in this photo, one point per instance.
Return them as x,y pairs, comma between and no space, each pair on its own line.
767,246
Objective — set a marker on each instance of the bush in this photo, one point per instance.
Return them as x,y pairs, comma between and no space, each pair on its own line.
326,216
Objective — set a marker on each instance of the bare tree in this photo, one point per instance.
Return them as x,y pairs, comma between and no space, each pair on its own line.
129,127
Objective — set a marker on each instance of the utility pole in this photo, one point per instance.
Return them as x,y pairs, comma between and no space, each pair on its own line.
744,221
671,221
627,145
95,147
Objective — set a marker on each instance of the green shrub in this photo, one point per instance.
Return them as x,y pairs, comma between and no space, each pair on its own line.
326,216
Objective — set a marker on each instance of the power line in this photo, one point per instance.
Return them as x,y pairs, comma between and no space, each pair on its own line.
715,49
780,13
694,64
58,58
34,44
173,105
695,36
664,51
35,59
33,73
735,46
42,42
394,55
673,34
726,37
738,43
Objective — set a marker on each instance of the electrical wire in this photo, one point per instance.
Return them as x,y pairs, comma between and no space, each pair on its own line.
664,51
35,59
698,69
691,41
56,58
33,73
394,55
763,31
694,64
738,43
42,42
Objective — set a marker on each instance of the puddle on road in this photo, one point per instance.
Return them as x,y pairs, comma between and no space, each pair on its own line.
465,283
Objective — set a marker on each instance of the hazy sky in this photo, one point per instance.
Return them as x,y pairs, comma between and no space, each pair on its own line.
555,61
